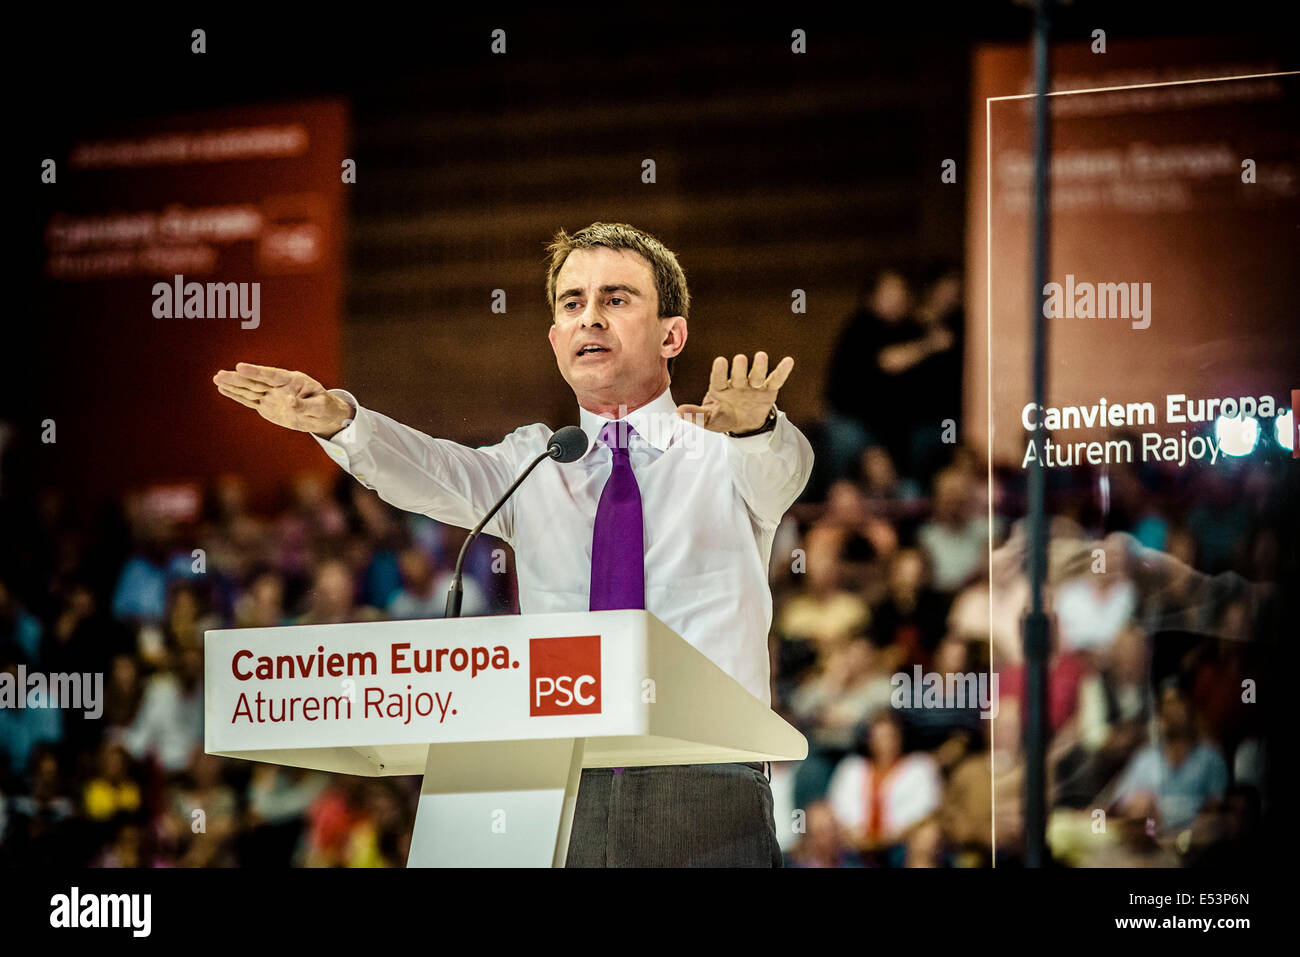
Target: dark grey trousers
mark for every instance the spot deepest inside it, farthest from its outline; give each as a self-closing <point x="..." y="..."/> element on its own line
<point x="686" y="815"/>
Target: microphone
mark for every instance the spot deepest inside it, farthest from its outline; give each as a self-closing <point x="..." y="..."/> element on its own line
<point x="567" y="445"/>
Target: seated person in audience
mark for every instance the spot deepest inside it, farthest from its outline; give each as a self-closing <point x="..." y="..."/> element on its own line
<point x="967" y="694"/>
<point x="853" y="684"/>
<point x="1094" y="605"/>
<point x="881" y="483"/>
<point x="880" y="797"/>
<point x="821" y="612"/>
<point x="1109" y="721"/>
<point x="168" y="726"/>
<point x="956" y="537"/>
<point x="867" y="537"/>
<point x="333" y="597"/>
<point x="823" y="844"/>
<point x="912" y="614"/>
<point x="925" y="844"/>
<point x="114" y="792"/>
<point x="1170" y="781"/>
<point x="967" y="812"/>
<point x="424" y="592"/>
<point x="262" y="603"/>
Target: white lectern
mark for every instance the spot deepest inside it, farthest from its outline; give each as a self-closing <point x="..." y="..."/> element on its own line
<point x="500" y="714"/>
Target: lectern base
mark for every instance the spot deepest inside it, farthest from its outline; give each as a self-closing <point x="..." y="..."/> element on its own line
<point x="497" y="804"/>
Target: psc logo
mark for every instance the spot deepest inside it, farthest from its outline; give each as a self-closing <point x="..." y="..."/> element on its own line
<point x="564" y="675"/>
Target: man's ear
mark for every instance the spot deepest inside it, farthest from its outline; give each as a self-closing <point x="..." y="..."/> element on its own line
<point x="674" y="335"/>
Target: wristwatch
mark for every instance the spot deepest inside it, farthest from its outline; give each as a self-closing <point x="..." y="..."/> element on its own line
<point x="768" y="425"/>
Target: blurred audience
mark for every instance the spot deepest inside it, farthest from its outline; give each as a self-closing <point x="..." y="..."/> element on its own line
<point x="906" y="561"/>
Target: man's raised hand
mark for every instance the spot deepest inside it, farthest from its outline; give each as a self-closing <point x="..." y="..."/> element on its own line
<point x="293" y="400"/>
<point x="738" y="402"/>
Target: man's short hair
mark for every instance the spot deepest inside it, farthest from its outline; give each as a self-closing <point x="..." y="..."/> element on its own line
<point x="670" y="281"/>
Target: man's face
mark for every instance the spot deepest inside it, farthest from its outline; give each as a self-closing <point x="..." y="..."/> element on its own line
<point x="608" y="338"/>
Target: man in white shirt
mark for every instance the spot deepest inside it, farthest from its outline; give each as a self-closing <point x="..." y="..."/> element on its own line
<point x="713" y="481"/>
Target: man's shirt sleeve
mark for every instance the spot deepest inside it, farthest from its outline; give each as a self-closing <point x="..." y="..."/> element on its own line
<point x="413" y="471"/>
<point x="772" y="469"/>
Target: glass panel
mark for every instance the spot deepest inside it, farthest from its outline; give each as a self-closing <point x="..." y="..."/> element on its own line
<point x="1167" y="435"/>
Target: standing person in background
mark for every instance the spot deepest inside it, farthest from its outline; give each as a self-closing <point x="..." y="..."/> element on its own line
<point x="883" y="373"/>
<point x="855" y="381"/>
<point x="933" y="384"/>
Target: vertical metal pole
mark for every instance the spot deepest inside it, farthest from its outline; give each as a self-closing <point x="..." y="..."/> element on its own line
<point x="1036" y="623"/>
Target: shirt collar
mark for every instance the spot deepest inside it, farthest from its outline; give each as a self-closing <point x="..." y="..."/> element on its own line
<point x="657" y="422"/>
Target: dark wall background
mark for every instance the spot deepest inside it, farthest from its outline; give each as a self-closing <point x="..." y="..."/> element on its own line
<point x="775" y="172"/>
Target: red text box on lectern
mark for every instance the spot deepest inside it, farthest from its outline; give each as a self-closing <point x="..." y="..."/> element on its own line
<point x="564" y="675"/>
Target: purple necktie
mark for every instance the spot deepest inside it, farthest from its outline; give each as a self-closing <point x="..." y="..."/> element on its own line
<point x="618" y="539"/>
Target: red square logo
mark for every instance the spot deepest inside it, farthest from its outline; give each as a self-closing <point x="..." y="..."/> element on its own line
<point x="564" y="675"/>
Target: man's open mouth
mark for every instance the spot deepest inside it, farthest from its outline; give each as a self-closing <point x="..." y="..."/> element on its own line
<point x="588" y="350"/>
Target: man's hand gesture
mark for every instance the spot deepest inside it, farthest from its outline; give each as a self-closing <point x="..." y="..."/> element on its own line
<point x="291" y="399"/>
<point x="739" y="402"/>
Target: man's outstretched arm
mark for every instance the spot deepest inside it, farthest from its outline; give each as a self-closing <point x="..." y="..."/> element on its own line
<point x="407" y="468"/>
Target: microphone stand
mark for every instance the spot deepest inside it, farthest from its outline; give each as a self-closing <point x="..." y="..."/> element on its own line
<point x="455" y="592"/>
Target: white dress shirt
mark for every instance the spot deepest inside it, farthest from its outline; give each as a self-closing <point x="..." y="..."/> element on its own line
<point x="711" y="505"/>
